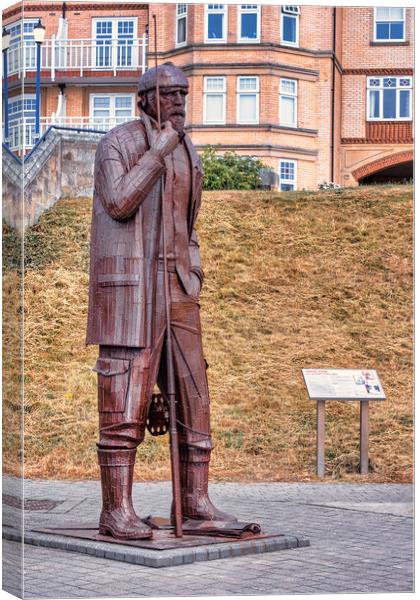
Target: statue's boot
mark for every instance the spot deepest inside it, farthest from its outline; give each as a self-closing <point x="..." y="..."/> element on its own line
<point x="196" y="503"/>
<point x="118" y="518"/>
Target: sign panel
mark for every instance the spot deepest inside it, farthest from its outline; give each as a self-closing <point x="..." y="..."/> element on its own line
<point x="343" y="384"/>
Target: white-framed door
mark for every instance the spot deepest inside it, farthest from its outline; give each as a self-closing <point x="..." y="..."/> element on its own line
<point x="115" y="42"/>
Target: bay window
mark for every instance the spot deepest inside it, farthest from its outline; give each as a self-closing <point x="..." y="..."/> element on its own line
<point x="214" y="100"/>
<point x="21" y="121"/>
<point x="22" y="45"/>
<point x="389" y="98"/>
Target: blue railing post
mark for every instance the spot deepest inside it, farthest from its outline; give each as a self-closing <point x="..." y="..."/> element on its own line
<point x="38" y="90"/>
<point x="6" y="99"/>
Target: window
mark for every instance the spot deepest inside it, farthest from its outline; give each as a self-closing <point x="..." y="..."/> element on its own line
<point x="249" y="23"/>
<point x="216" y="23"/>
<point x="21" y="121"/>
<point x="289" y="25"/>
<point x="29" y="45"/>
<point x="389" y="98"/>
<point x="389" y="24"/>
<point x="114" y="42"/>
<point x="248" y="99"/>
<point x="181" y="24"/>
<point x="288" y="102"/>
<point x="288" y="175"/>
<point x="214" y="100"/>
<point x="108" y="110"/>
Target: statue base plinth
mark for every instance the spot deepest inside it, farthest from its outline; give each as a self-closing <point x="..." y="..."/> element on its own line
<point x="164" y="550"/>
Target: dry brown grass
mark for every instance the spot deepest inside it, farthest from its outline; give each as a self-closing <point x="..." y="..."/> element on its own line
<point x="292" y="281"/>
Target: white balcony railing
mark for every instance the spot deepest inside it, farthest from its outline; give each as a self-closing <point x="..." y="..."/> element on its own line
<point x="22" y="131"/>
<point x="79" y="56"/>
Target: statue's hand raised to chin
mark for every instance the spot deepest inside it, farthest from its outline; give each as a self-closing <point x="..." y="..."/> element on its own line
<point x="166" y="140"/>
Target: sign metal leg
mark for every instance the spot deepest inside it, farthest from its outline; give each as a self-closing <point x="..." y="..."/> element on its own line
<point x="320" y="438"/>
<point x="364" y="436"/>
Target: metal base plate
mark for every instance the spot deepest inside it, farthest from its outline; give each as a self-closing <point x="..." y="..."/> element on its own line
<point x="162" y="539"/>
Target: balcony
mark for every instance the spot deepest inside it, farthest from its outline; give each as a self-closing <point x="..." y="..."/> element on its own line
<point x="22" y="131"/>
<point x="81" y="56"/>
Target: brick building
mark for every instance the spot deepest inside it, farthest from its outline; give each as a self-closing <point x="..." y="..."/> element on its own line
<point x="318" y="93"/>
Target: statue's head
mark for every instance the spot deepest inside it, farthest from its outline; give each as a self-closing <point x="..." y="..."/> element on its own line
<point x="173" y="88"/>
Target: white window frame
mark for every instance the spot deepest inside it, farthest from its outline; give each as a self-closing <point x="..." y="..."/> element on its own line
<point x="21" y="48"/>
<point x="293" y="181"/>
<point x="243" y="10"/>
<point x="289" y="13"/>
<point x="255" y="93"/>
<point x="207" y="12"/>
<point x="179" y="17"/>
<point x="21" y="126"/>
<point x="114" y="36"/>
<point x="381" y="101"/>
<point x="393" y="40"/>
<point x="112" y="116"/>
<point x="286" y="95"/>
<point x="207" y="93"/>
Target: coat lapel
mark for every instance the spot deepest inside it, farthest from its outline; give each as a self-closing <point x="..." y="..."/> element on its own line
<point x="196" y="182"/>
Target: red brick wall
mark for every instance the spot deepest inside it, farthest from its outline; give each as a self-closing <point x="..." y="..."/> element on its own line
<point x="310" y="65"/>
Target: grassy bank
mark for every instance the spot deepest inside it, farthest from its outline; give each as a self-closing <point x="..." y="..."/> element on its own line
<point x="292" y="280"/>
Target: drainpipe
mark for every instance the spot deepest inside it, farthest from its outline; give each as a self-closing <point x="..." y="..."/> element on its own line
<point x="63" y="13"/>
<point x="333" y="58"/>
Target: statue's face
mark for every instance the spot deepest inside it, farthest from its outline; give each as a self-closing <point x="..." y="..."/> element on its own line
<point x="172" y="105"/>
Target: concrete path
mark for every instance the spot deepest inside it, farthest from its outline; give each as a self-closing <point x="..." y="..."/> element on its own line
<point x="361" y="541"/>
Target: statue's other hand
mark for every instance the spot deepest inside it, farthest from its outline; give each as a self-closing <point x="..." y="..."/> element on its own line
<point x="166" y="140"/>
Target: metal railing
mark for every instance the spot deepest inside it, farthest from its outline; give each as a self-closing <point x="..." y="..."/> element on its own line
<point x="79" y="55"/>
<point x="22" y="131"/>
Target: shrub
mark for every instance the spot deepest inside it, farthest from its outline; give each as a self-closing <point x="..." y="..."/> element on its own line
<point x="230" y="171"/>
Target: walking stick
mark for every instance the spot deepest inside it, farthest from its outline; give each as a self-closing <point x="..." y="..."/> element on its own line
<point x="173" y="431"/>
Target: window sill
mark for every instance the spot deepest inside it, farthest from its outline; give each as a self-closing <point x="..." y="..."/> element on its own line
<point x="382" y="120"/>
<point x="389" y="43"/>
<point x="288" y="45"/>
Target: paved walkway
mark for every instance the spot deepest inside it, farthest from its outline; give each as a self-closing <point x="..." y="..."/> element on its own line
<point x="361" y="541"/>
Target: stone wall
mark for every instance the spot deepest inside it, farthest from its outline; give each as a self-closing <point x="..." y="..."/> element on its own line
<point x="60" y="166"/>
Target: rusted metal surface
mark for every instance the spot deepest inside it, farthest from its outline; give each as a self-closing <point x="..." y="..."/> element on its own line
<point x="144" y="285"/>
<point x="158" y="416"/>
<point x="162" y="540"/>
<point x="233" y="529"/>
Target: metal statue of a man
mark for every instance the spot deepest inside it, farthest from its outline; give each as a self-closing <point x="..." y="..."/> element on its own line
<point x="127" y="305"/>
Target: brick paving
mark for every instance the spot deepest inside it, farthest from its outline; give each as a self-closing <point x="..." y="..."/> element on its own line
<point x="361" y="541"/>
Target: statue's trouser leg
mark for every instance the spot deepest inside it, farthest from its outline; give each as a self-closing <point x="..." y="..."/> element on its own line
<point x="122" y="400"/>
<point x="193" y="406"/>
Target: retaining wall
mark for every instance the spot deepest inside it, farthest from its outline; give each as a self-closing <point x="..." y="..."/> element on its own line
<point x="60" y="166"/>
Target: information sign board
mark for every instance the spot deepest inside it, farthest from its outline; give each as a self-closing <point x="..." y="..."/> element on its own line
<point x="343" y="384"/>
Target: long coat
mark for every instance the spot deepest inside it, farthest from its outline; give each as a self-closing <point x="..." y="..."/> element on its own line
<point x="126" y="225"/>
